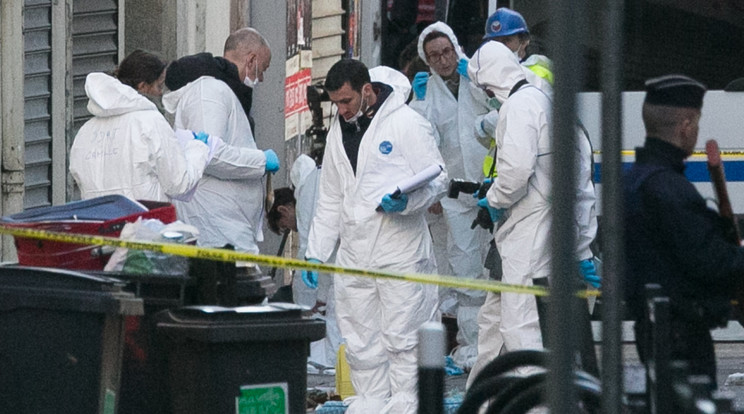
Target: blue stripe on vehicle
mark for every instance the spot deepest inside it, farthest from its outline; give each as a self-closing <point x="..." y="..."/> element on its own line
<point x="696" y="171"/>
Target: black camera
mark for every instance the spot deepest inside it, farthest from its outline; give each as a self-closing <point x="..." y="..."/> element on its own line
<point x="460" y="186"/>
<point x="469" y="187"/>
<point x="316" y="94"/>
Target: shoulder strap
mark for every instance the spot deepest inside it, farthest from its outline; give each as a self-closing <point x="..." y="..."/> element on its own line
<point x="517" y="86"/>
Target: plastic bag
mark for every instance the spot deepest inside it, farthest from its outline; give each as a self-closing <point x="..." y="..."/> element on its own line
<point x="149" y="262"/>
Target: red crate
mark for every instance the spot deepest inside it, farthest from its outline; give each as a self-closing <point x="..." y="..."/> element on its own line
<point x="47" y="253"/>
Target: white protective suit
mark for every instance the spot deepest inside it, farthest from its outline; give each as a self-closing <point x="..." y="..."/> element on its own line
<point x="228" y="204"/>
<point x="522" y="187"/>
<point x="305" y="177"/>
<point x="129" y="148"/>
<point x="379" y="318"/>
<point x="466" y="248"/>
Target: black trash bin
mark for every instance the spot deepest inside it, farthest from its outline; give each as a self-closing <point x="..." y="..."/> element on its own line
<point x="142" y="373"/>
<point x="61" y="341"/>
<point x="250" y="359"/>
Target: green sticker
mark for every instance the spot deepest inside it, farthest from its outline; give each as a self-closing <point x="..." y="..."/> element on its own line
<point x="263" y="399"/>
<point x="109" y="402"/>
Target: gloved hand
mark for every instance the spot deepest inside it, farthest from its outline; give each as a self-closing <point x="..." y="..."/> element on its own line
<point x="495" y="213"/>
<point x="462" y="68"/>
<point x="486" y="184"/>
<point x="394" y="205"/>
<point x="419" y="84"/>
<point x="272" y="161"/>
<point x="589" y="272"/>
<point x="201" y="136"/>
<point x="310" y="277"/>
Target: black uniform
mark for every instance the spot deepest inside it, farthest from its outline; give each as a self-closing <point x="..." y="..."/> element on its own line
<point x="673" y="239"/>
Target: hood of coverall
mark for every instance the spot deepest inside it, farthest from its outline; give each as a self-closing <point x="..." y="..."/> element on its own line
<point x="494" y="67"/>
<point x="301" y="167"/>
<point x="389" y="76"/>
<point x="109" y="97"/>
<point x="443" y="28"/>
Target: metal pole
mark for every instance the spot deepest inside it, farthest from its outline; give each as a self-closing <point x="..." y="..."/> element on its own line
<point x="566" y="36"/>
<point x="431" y="368"/>
<point x="612" y="211"/>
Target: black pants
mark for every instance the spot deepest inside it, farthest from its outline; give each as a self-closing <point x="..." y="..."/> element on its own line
<point x="690" y="342"/>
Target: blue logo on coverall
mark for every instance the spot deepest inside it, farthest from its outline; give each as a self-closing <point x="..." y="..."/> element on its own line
<point x="386" y="147"/>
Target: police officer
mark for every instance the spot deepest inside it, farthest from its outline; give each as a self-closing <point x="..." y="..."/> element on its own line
<point x="672" y="238"/>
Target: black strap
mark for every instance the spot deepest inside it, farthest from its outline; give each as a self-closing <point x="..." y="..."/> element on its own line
<point x="517" y="86"/>
<point x="513" y="90"/>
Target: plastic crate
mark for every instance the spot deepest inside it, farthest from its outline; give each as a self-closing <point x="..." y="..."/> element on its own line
<point x="101" y="216"/>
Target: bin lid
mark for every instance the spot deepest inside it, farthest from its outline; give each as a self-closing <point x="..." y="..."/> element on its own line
<point x="51" y="288"/>
<point x="95" y="209"/>
<point x="252" y="313"/>
<point x="255" y="323"/>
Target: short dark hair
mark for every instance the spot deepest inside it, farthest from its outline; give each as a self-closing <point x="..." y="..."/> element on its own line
<point x="434" y="35"/>
<point x="140" y="66"/>
<point x="282" y="196"/>
<point x="347" y="70"/>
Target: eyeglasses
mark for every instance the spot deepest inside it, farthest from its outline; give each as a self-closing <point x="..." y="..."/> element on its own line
<point x="436" y="57"/>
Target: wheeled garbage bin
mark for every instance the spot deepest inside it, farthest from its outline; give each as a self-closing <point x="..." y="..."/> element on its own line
<point x="142" y="388"/>
<point x="61" y="341"/>
<point x="250" y="359"/>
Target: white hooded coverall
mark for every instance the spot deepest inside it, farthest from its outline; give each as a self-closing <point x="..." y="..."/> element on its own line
<point x="305" y="177"/>
<point x="466" y="248"/>
<point x="523" y="188"/>
<point x="379" y="318"/>
<point x="128" y="147"/>
<point x="228" y="203"/>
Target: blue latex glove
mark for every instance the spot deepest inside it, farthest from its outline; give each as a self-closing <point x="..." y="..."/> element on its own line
<point x="419" y="84"/>
<point x="495" y="213"/>
<point x="201" y="136"/>
<point x="272" y="161"/>
<point x="310" y="277"/>
<point x="462" y="68"/>
<point x="486" y="181"/>
<point x="589" y="272"/>
<point x="394" y="205"/>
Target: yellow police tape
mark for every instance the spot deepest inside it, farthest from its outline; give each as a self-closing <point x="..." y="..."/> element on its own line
<point x="695" y="154"/>
<point x="226" y="255"/>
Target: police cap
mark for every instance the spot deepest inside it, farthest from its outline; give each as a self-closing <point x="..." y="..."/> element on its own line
<point x="675" y="90"/>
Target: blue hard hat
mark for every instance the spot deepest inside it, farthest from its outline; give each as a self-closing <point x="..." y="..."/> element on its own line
<point x="504" y="22"/>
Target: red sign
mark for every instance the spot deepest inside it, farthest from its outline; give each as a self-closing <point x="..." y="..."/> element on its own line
<point x="295" y="92"/>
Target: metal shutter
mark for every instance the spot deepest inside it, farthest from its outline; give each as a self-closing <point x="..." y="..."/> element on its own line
<point x="37" y="37"/>
<point x="95" y="48"/>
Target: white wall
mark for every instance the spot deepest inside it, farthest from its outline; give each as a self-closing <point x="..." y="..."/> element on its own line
<point x="217" y="25"/>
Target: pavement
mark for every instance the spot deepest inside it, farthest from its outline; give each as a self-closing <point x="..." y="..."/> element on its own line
<point x="729" y="354"/>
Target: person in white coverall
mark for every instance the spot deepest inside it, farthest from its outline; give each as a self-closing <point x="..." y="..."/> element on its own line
<point x="294" y="210"/>
<point x="453" y="104"/>
<point x="375" y="142"/>
<point x="128" y="147"/>
<point x="228" y="204"/>
<point x="519" y="200"/>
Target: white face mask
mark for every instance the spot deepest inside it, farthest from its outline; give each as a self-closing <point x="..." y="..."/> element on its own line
<point x="359" y="113"/>
<point x="252" y="83"/>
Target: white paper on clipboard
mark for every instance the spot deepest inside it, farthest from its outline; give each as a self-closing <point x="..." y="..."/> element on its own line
<point x="419" y="180"/>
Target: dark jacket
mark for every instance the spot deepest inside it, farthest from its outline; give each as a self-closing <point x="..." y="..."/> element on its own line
<point x="190" y="68"/>
<point x="675" y="240"/>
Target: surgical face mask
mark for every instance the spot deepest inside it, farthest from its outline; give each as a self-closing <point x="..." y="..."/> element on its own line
<point x="354" y="119"/>
<point x="493" y="103"/>
<point x="252" y="83"/>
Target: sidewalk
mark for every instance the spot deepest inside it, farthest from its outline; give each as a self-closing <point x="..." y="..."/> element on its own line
<point x="454" y="388"/>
